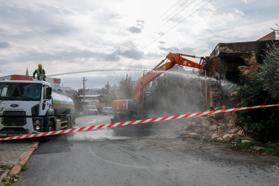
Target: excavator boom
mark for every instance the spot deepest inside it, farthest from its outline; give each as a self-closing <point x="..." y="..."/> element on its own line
<point x="169" y="62"/>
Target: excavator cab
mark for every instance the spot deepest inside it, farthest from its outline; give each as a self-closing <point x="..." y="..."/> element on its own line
<point x="127" y="109"/>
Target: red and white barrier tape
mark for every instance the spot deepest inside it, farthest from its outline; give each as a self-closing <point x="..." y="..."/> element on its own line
<point x="134" y="122"/>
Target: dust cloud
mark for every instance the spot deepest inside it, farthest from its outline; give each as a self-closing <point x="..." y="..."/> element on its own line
<point x="176" y="92"/>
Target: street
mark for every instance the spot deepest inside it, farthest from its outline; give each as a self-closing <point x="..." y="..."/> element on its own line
<point x="160" y="156"/>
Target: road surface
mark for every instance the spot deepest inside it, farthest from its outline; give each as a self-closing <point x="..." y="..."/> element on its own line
<point x="156" y="155"/>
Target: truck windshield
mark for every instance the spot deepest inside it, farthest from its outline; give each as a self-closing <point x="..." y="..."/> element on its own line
<point x="20" y="91"/>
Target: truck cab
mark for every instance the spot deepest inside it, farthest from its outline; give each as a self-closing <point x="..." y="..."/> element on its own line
<point x="28" y="107"/>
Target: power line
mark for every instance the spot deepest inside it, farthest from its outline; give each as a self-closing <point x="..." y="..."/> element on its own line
<point x="201" y="5"/>
<point x="172" y="8"/>
<point x="188" y="6"/>
<point x="182" y="11"/>
<point x="178" y="22"/>
<point x="177" y="11"/>
<point x="191" y="7"/>
<point x="174" y="26"/>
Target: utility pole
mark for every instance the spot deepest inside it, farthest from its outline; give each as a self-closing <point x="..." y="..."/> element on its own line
<point x="83" y="87"/>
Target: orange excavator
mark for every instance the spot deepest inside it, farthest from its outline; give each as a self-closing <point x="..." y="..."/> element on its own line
<point x="127" y="109"/>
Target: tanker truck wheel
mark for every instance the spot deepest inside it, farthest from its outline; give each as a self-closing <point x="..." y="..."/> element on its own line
<point x="50" y="127"/>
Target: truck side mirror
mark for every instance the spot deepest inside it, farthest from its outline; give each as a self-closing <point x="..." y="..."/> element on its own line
<point x="48" y="92"/>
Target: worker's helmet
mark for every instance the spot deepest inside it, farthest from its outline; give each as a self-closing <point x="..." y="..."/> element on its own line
<point x="40" y="66"/>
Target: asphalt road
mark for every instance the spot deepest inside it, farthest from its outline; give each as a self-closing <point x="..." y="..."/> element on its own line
<point x="153" y="155"/>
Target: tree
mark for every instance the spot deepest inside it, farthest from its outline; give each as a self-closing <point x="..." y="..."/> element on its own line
<point x="125" y="88"/>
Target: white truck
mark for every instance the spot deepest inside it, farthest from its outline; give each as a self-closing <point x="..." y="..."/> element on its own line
<point x="32" y="107"/>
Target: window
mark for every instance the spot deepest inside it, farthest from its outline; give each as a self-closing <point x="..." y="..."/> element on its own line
<point x="20" y="91"/>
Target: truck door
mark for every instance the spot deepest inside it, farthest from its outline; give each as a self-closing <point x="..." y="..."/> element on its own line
<point x="47" y="100"/>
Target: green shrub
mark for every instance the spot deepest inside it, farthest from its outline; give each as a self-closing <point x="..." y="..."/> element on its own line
<point x="261" y="88"/>
<point x="269" y="72"/>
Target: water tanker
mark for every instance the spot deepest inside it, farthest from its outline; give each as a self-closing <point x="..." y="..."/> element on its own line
<point x="61" y="103"/>
<point x="31" y="107"/>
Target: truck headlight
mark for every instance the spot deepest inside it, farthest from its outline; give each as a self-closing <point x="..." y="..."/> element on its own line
<point x="38" y="124"/>
<point x="37" y="127"/>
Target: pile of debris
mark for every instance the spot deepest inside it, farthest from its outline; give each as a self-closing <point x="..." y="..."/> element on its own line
<point x="214" y="129"/>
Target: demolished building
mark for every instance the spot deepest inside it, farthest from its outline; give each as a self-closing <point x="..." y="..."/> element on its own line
<point x="228" y="61"/>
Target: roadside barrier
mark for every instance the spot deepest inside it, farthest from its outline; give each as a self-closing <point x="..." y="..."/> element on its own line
<point x="134" y="122"/>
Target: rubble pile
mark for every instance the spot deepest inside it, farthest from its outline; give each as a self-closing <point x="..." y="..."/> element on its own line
<point x="214" y="130"/>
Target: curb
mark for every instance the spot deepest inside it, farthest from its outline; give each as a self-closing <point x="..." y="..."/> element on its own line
<point x="23" y="160"/>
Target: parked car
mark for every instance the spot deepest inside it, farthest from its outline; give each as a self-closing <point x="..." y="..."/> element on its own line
<point x="91" y="109"/>
<point x="107" y="110"/>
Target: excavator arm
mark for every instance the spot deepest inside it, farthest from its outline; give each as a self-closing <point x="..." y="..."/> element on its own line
<point x="172" y="59"/>
<point x="169" y="62"/>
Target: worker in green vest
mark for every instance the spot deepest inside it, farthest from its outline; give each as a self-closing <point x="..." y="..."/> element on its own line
<point x="41" y="75"/>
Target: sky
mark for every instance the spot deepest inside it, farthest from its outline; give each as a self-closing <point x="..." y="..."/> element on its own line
<point x="71" y="36"/>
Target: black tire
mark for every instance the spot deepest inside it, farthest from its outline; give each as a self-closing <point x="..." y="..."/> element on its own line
<point x="50" y="127"/>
